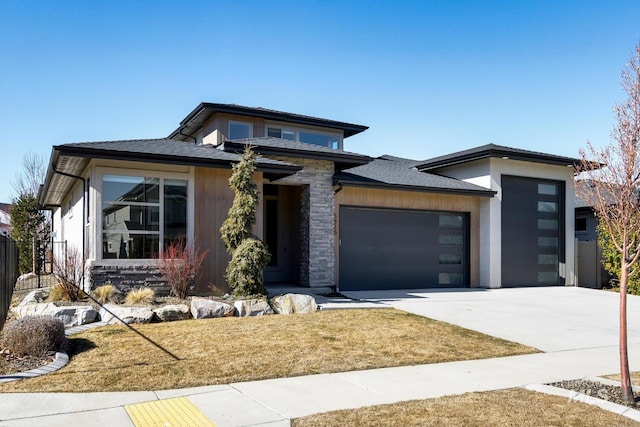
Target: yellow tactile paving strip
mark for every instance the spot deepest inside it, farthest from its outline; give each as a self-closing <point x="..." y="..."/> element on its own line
<point x="176" y="412"/>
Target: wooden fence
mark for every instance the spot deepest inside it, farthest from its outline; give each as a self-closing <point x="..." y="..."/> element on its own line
<point x="8" y="274"/>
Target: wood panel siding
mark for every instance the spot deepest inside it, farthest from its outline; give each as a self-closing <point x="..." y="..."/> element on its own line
<point x="213" y="198"/>
<point x="379" y="198"/>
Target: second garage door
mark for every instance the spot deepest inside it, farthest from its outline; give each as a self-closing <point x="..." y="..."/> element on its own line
<point x="402" y="249"/>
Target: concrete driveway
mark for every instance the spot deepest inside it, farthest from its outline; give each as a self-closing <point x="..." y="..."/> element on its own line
<point x="550" y="319"/>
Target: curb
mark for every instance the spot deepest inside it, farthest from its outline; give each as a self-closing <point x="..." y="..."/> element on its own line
<point x="625" y="411"/>
<point x="60" y="360"/>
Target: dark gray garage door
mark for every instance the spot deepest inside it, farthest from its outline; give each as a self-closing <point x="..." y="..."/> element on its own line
<point x="402" y="249"/>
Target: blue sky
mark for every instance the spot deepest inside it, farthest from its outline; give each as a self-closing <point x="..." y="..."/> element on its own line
<point x="428" y="77"/>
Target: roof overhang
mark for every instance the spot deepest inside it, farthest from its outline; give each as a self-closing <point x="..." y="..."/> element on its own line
<point x="68" y="163"/>
<point x="343" y="180"/>
<point x="502" y="153"/>
<point x="342" y="160"/>
<point x="206" y="110"/>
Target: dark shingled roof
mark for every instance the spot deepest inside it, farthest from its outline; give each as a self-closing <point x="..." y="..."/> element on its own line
<point x="165" y="150"/>
<point x="586" y="194"/>
<point x="207" y="109"/>
<point x="395" y="172"/>
<point x="283" y="147"/>
<point x="493" y="150"/>
<point x="70" y="160"/>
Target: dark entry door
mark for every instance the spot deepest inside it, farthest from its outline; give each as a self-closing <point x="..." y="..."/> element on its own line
<point x="282" y="233"/>
<point x="402" y="249"/>
<point x="532" y="231"/>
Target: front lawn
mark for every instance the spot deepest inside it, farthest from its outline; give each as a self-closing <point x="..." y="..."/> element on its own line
<point x="512" y="407"/>
<point x="221" y="351"/>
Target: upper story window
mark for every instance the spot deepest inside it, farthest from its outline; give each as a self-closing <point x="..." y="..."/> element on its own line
<point x="302" y="135"/>
<point x="240" y="130"/>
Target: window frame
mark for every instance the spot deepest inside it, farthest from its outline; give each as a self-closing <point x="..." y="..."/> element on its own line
<point x="284" y="127"/>
<point x="238" y="122"/>
<point x="162" y="176"/>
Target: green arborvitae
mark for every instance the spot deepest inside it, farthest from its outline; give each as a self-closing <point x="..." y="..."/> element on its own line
<point x="26" y="221"/>
<point x="611" y="261"/>
<point x="249" y="255"/>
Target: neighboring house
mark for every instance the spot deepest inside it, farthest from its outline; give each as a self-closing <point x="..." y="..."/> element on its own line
<point x="5" y="218"/>
<point x="489" y="217"/>
<point x="590" y="270"/>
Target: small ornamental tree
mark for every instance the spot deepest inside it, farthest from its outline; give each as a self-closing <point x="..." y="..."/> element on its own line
<point x="180" y="264"/>
<point x="615" y="170"/>
<point x="249" y="255"/>
<point x="27" y="221"/>
<point x="29" y="224"/>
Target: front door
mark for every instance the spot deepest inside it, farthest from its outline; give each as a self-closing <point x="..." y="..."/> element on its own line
<point x="281" y="233"/>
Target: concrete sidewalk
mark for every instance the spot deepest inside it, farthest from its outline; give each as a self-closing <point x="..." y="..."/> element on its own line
<point x="577" y="328"/>
<point x="275" y="402"/>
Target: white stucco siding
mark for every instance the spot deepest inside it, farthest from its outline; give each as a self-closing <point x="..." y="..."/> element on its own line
<point x="488" y="173"/>
<point x="71" y="217"/>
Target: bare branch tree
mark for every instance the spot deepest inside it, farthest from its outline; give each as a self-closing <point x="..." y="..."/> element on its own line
<point x="32" y="175"/>
<point x="613" y="175"/>
<point x="69" y="269"/>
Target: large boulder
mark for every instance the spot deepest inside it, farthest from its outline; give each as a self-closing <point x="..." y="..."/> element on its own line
<point x="294" y="303"/>
<point x="71" y="315"/>
<point x="171" y="312"/>
<point x="202" y="308"/>
<point x="253" y="307"/>
<point x="36" y="296"/>
<point x="126" y="313"/>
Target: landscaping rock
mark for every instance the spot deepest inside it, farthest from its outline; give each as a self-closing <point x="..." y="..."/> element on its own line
<point x="34" y="297"/>
<point x="127" y="314"/>
<point x="294" y="303"/>
<point x="171" y="312"/>
<point x="253" y="307"/>
<point x="202" y="308"/>
<point x="71" y="315"/>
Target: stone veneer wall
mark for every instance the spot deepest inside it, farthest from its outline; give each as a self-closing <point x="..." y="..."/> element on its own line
<point x="126" y="278"/>
<point x="317" y="256"/>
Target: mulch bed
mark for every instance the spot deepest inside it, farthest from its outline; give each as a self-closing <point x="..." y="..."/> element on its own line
<point x="12" y="364"/>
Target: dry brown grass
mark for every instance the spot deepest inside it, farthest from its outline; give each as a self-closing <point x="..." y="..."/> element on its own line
<point x="512" y="407"/>
<point x="221" y="351"/>
<point x="635" y="377"/>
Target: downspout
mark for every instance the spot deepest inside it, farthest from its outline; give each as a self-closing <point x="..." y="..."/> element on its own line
<point x="195" y="140"/>
<point x="84" y="213"/>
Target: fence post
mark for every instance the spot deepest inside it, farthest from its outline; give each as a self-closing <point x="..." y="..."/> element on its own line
<point x="8" y="274"/>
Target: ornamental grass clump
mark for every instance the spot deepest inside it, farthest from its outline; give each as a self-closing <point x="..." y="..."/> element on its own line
<point x="140" y="296"/>
<point x="105" y="294"/>
<point x="249" y="255"/>
<point x="35" y="336"/>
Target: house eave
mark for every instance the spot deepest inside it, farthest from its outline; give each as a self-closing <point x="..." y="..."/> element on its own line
<point x="205" y="110"/>
<point x="421" y="189"/>
<point x="56" y="186"/>
<point x="341" y="160"/>
<point x="498" y="153"/>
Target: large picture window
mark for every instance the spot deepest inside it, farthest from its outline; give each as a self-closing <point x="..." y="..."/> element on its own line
<point x="138" y="213"/>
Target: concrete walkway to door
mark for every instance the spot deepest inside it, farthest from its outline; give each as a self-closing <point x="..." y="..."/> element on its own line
<point x="550" y="319"/>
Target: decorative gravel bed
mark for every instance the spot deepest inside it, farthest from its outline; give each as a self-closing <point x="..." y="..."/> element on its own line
<point x="12" y="364"/>
<point x="595" y="389"/>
